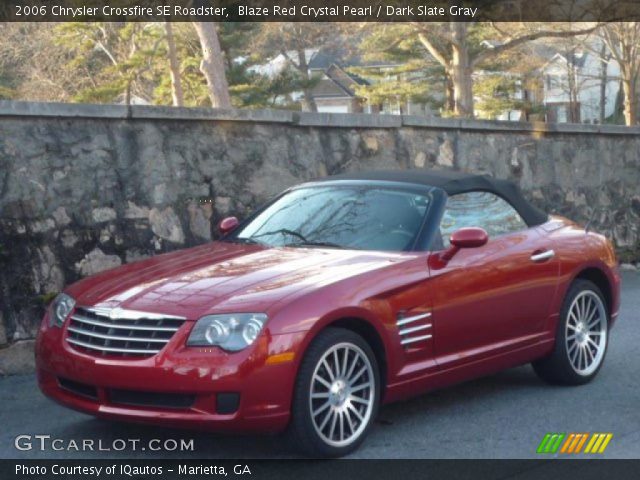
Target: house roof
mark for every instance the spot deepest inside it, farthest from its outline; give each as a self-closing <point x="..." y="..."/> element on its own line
<point x="324" y="58"/>
<point x="576" y="61"/>
<point x="548" y="52"/>
<point x="321" y="61"/>
<point x="329" y="89"/>
<point x="338" y="83"/>
<point x="572" y="58"/>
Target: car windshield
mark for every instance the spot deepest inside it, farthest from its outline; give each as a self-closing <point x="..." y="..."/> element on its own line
<point x="353" y="217"/>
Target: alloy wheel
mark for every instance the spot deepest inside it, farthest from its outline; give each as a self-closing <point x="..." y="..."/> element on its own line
<point x="586" y="332"/>
<point x="342" y="393"/>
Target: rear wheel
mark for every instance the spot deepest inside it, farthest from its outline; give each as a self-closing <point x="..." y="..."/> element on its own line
<point x="581" y="338"/>
<point x="337" y="394"/>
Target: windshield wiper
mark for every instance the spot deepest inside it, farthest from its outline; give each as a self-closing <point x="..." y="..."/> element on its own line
<point x="245" y="240"/>
<point x="283" y="231"/>
<point x="310" y="243"/>
<point x="304" y="242"/>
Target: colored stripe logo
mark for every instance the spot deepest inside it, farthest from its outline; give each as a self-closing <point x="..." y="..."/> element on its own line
<point x="574" y="443"/>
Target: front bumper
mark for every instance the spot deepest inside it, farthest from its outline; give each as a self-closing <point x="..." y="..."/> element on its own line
<point x="260" y="376"/>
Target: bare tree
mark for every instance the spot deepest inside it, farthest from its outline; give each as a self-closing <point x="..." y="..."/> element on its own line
<point x="212" y="65"/>
<point x="623" y="41"/>
<point x="450" y="44"/>
<point x="293" y="40"/>
<point x="572" y="50"/>
<point x="34" y="67"/>
<point x="174" y="67"/>
<point x="298" y="39"/>
<point x="605" y="57"/>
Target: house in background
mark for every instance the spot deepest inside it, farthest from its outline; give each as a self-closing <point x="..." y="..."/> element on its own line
<point x="579" y="87"/>
<point x="574" y="85"/>
<point x="336" y="89"/>
<point x="569" y="87"/>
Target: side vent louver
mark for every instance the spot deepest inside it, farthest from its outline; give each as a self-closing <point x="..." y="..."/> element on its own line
<point x="414" y="329"/>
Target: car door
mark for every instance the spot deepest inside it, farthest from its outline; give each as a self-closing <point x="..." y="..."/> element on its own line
<point x="495" y="298"/>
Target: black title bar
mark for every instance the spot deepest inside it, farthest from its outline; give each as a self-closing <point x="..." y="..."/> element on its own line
<point x="317" y="469"/>
<point x="320" y="10"/>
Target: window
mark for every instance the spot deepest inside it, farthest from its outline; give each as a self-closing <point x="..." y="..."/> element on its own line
<point x="554" y="81"/>
<point x="479" y="209"/>
<point x="356" y="217"/>
<point x="562" y="114"/>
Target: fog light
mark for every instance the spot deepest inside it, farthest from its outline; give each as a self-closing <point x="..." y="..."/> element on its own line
<point x="227" y="403"/>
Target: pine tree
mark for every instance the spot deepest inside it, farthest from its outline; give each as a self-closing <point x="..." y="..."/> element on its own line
<point x="293" y="41"/>
<point x="407" y="76"/>
<point x="118" y="57"/>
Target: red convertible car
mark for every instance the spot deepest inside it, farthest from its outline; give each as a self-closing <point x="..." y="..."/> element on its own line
<point x="337" y="296"/>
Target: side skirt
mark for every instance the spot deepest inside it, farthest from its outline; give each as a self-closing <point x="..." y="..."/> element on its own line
<point x="461" y="373"/>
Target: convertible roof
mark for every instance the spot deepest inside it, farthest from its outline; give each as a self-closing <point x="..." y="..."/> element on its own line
<point x="454" y="182"/>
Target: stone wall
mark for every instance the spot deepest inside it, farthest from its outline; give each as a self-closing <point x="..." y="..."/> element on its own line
<point x="84" y="188"/>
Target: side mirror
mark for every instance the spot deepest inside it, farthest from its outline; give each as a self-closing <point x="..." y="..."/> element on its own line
<point x="228" y="224"/>
<point x="469" y="237"/>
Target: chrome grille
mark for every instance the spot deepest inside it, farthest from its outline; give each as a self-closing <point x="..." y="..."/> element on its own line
<point x="414" y="328"/>
<point x="120" y="332"/>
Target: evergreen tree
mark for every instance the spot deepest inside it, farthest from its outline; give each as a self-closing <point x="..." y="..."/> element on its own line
<point x="404" y="74"/>
<point x="119" y="57"/>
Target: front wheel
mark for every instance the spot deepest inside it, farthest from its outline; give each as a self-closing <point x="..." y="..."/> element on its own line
<point x="581" y="338"/>
<point x="337" y="394"/>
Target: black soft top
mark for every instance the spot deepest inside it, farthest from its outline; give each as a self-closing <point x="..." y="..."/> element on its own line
<point x="453" y="182"/>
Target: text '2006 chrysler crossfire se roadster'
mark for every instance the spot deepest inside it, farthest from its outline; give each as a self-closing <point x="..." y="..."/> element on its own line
<point x="337" y="296"/>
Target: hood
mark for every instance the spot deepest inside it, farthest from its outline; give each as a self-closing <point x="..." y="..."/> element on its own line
<point x="224" y="277"/>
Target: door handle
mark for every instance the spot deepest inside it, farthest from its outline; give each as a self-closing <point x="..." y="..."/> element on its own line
<point x="543" y="256"/>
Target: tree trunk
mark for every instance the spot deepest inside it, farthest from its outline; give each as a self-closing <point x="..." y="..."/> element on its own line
<point x="604" y="63"/>
<point x="460" y="71"/>
<point x="174" y="68"/>
<point x="630" y="100"/>
<point x="450" y="102"/>
<point x="127" y="92"/>
<point x="308" y="102"/>
<point x="212" y="65"/>
<point x="574" y="104"/>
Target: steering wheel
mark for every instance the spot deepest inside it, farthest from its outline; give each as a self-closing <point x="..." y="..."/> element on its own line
<point x="397" y="232"/>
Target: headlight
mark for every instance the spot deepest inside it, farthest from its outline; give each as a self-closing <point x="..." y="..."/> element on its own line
<point x="60" y="309"/>
<point x="231" y="332"/>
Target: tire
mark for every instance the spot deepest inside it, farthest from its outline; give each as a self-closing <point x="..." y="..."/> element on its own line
<point x="340" y="423"/>
<point x="582" y="337"/>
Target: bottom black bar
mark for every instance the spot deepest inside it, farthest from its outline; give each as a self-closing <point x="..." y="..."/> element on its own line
<point x="319" y="469"/>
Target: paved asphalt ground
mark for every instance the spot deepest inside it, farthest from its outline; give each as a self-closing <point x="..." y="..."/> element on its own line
<point x="503" y="416"/>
